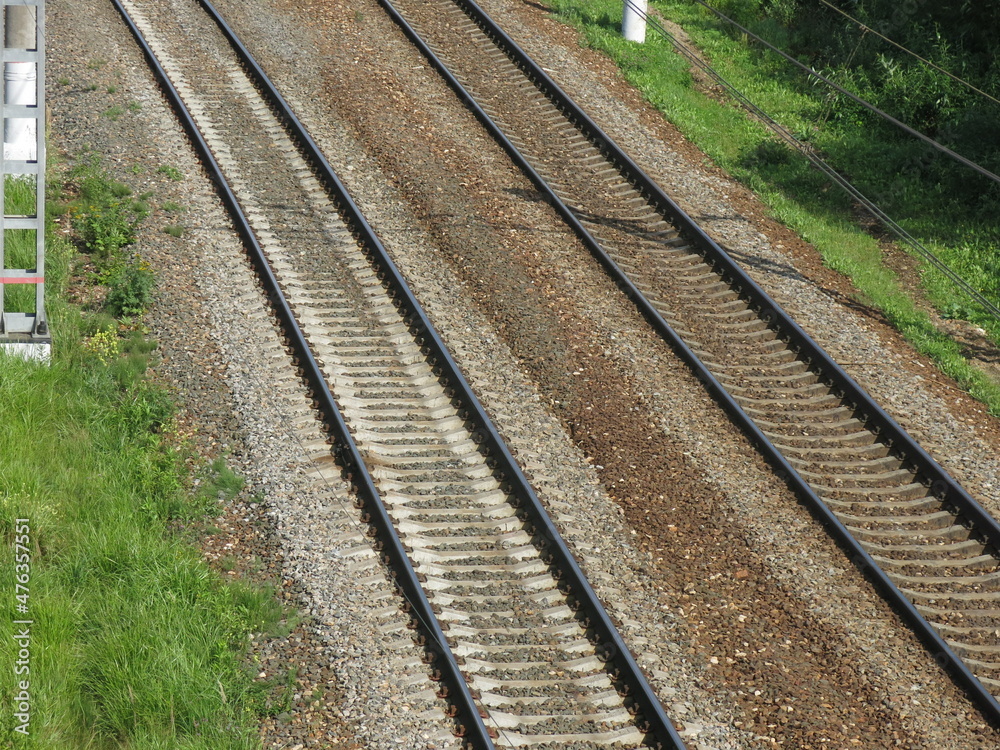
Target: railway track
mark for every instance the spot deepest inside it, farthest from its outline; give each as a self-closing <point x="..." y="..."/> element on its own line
<point x="524" y="653"/>
<point x="925" y="542"/>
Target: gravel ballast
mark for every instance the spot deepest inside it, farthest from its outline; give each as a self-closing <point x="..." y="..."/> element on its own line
<point x="755" y="633"/>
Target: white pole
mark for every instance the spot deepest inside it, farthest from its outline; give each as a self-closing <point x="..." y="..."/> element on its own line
<point x="634" y="20"/>
<point x="20" y="134"/>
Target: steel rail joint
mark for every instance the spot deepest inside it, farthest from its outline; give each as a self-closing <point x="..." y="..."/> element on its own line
<point x="361" y="480"/>
<point x="932" y="641"/>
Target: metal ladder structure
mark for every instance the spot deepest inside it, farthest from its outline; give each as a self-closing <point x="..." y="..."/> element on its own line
<point x="24" y="331"/>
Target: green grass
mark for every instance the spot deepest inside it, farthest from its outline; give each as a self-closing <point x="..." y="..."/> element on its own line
<point x="19" y="196"/>
<point x="20" y="253"/>
<point x="135" y="642"/>
<point x="797" y="194"/>
<point x="134" y="639"/>
<point x="172" y="173"/>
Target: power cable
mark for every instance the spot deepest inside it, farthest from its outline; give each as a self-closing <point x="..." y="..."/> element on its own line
<point x="786" y="135"/>
<point x="870" y="30"/>
<point x="866" y="104"/>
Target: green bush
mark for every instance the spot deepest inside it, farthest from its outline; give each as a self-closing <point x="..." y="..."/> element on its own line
<point x="105" y="229"/>
<point x="130" y="287"/>
<point x="103" y="214"/>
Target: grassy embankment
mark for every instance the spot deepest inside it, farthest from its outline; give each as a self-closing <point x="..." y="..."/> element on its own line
<point x="134" y="641"/>
<point x="800" y="196"/>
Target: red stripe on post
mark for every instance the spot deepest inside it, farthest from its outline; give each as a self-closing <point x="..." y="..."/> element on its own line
<point x="22" y="279"/>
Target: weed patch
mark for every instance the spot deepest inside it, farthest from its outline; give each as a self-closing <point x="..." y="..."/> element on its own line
<point x="130" y="285"/>
<point x="105" y="217"/>
<point x="172" y="173"/>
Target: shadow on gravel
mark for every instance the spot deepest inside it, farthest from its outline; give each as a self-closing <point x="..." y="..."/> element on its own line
<point x="785" y="270"/>
<point x="539" y="6"/>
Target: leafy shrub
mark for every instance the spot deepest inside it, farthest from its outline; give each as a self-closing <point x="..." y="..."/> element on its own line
<point x="106" y="229"/>
<point x="130" y="287"/>
<point x="104" y="216"/>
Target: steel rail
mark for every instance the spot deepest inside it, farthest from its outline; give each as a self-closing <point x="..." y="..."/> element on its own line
<point x="393" y="552"/>
<point x="968" y="511"/>
<point x="616" y="654"/>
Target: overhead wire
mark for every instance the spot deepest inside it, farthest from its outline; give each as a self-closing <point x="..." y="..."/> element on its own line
<point x="788" y="137"/>
<point x="869" y="30"/>
<point x="851" y="95"/>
